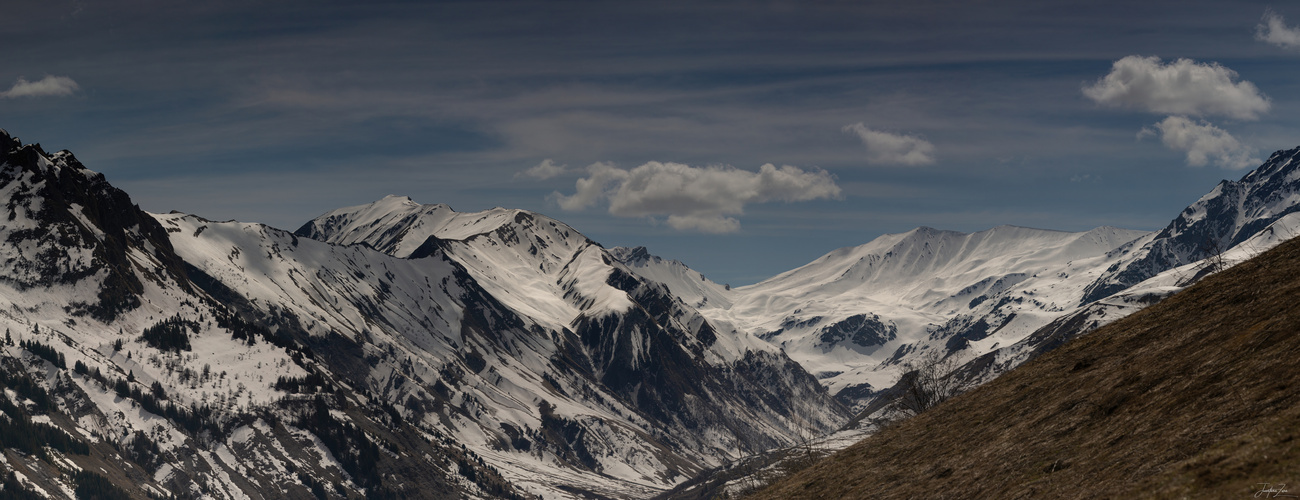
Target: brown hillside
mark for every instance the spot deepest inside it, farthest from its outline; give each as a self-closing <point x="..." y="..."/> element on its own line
<point x="1195" y="397"/>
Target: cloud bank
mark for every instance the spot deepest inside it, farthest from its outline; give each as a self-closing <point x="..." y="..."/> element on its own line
<point x="48" y="86"/>
<point x="1204" y="143"/>
<point x="1182" y="87"/>
<point x="1273" y="29"/>
<point x="885" y="148"/>
<point x="700" y="199"/>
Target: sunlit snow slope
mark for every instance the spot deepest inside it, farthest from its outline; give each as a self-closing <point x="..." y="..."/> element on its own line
<point x="854" y="316"/>
<point x="400" y="350"/>
<point x="706" y="393"/>
<point x="496" y="354"/>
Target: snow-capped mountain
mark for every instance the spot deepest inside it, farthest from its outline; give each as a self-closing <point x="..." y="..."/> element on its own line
<point x="495" y="354"/>
<point x="1234" y="222"/>
<point x="852" y="315"/>
<point x="992" y="298"/>
<point x="1228" y="215"/>
<point x="396" y="349"/>
<point x="684" y="282"/>
<point x="620" y="337"/>
<point x="163" y="380"/>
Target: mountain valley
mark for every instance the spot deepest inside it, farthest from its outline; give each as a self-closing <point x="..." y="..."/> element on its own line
<point x="404" y="350"/>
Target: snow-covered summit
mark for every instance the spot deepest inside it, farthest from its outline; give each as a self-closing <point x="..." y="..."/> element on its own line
<point x="851" y="315"/>
<point x="855" y="314"/>
<point x="1231" y="213"/>
<point x="537" y="265"/>
<point x="926" y="264"/>
<point x="486" y="354"/>
<point x="686" y="283"/>
<point x="449" y="354"/>
<point x="637" y="337"/>
<point x="398" y="226"/>
<point x="67" y="226"/>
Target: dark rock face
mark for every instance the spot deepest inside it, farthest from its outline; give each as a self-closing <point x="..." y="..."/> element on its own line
<point x="389" y="373"/>
<point x="77" y="226"/>
<point x="65" y="225"/>
<point x="649" y="356"/>
<point x="862" y="330"/>
<point x="653" y="358"/>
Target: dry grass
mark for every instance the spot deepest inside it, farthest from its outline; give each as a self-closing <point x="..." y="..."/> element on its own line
<point x="1195" y="397"/>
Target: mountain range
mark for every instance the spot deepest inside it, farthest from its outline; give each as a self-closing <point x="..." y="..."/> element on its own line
<point x="991" y="298"/>
<point x="404" y="350"/>
<point x="1194" y="397"/>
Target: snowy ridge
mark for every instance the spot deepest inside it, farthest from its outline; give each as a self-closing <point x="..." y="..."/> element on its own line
<point x="535" y="264"/>
<point x="1153" y="289"/>
<point x="521" y="389"/>
<point x="497" y="354"/>
<point x="684" y="282"/>
<point x="403" y="350"/>
<point x="852" y="315"/>
<point x="994" y="297"/>
<point x="1225" y="217"/>
<point x="632" y="336"/>
<point x="409" y="316"/>
<point x="88" y="306"/>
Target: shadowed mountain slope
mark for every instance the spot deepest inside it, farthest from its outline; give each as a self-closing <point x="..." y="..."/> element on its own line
<point x="1195" y="397"/>
<point x="425" y="354"/>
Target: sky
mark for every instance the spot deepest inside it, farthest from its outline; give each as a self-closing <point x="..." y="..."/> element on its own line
<point x="743" y="138"/>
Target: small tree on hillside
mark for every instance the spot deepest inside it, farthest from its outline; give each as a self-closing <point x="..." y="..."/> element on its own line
<point x="1213" y="252"/>
<point x="926" y="382"/>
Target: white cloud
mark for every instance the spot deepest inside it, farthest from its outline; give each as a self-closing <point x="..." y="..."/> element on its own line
<point x="893" y="149"/>
<point x="1204" y="143"/>
<point x="1182" y="87"/>
<point x="694" y="198"/>
<point x="1273" y="29"/>
<point x="48" y="86"/>
<point x="603" y="178"/>
<point x="547" y="169"/>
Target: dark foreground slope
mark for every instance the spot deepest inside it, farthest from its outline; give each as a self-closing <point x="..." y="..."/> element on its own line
<point x="1198" y="396"/>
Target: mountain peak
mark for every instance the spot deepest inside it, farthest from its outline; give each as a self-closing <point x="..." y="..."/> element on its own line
<point x="632" y="255"/>
<point x="1076" y="408"/>
<point x="8" y="142"/>
<point x="400" y="202"/>
<point x="1279" y="161"/>
<point x="56" y="202"/>
<point x="1229" y="214"/>
<point x="398" y="199"/>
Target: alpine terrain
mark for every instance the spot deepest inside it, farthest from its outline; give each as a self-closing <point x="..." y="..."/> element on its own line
<point x="391" y="349"/>
<point x="406" y="350"/>
<point x="990" y="299"/>
<point x="1194" y="397"/>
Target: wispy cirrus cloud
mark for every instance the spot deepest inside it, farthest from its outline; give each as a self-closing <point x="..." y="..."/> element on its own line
<point x="1273" y="29"/>
<point x="50" y="86"/>
<point x="1181" y="87"/>
<point x="547" y="169"/>
<point x="699" y="199"/>
<point x="887" y="148"/>
<point x="1203" y="142"/>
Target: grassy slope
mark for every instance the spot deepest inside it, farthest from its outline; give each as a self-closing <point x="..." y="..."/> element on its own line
<point x="1198" y="397"/>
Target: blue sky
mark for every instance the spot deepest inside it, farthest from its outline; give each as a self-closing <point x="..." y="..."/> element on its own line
<point x="650" y="123"/>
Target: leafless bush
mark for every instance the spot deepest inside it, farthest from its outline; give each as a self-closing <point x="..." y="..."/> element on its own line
<point x="927" y="382"/>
